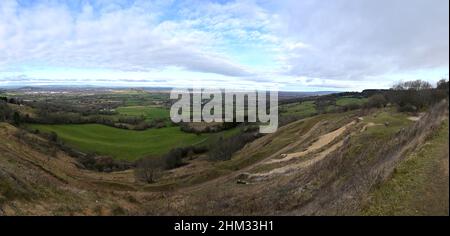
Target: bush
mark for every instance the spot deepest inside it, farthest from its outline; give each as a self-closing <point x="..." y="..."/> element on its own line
<point x="158" y="123"/>
<point x="149" y="169"/>
<point x="377" y="100"/>
<point x="6" y="112"/>
<point x="53" y="136"/>
<point x="351" y="106"/>
<point x="225" y="148"/>
<point x="407" y="108"/>
<point x="174" y="158"/>
<point x="142" y="126"/>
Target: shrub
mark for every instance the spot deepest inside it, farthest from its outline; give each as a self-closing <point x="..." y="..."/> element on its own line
<point x="5" y="111"/>
<point x="149" y="169"/>
<point x="407" y="108"/>
<point x="225" y="148"/>
<point x="16" y="118"/>
<point x="351" y="106"/>
<point x="174" y="158"/>
<point x="53" y="136"/>
<point x="377" y="100"/>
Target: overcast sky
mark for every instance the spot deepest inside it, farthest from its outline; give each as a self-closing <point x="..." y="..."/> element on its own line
<point x="294" y="44"/>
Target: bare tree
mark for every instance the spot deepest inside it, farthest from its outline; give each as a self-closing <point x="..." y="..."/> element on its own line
<point x="416" y="85"/>
<point x="149" y="169"/>
<point x="442" y="84"/>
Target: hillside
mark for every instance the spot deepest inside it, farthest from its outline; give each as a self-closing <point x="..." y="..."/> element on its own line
<point x="329" y="164"/>
<point x="419" y="184"/>
<point x="33" y="183"/>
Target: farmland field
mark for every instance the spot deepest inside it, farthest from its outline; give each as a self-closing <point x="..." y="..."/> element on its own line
<point x="345" y="101"/>
<point x="306" y="108"/>
<point x="350" y="100"/>
<point x="125" y="144"/>
<point x="149" y="113"/>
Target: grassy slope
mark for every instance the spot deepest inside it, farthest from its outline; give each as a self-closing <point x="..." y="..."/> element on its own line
<point x="349" y="100"/>
<point x="308" y="108"/>
<point x="395" y="121"/>
<point x="305" y="109"/>
<point x="120" y="143"/>
<point x="32" y="182"/>
<point x="250" y="154"/>
<point x="254" y="151"/>
<point x="128" y="144"/>
<point x="420" y="184"/>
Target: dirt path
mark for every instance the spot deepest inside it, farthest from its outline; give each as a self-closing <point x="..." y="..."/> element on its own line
<point x="291" y="168"/>
<point x="416" y="118"/>
<point x="321" y="142"/>
<point x="324" y="140"/>
<point x="233" y="175"/>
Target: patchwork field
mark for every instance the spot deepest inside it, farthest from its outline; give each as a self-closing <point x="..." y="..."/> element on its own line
<point x="150" y="113"/>
<point x="306" y="108"/>
<point x="126" y="144"/>
<point x="309" y="108"/>
<point x="344" y="101"/>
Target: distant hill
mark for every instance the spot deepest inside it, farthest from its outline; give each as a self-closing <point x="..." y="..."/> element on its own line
<point x="289" y="95"/>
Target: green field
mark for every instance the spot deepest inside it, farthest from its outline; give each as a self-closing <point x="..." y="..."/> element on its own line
<point x="345" y="101"/>
<point x="126" y="144"/>
<point x="305" y="109"/>
<point x="350" y="100"/>
<point x="141" y="98"/>
<point x="150" y="113"/>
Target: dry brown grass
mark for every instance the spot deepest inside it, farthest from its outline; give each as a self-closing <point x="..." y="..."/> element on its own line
<point x="334" y="179"/>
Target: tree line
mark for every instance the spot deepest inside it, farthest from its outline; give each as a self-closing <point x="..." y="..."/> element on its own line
<point x="411" y="96"/>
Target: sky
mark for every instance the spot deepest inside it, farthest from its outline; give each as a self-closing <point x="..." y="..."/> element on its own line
<point x="297" y="45"/>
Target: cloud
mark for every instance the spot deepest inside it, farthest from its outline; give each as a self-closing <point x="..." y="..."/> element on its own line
<point x="345" y="44"/>
<point x="354" y="40"/>
<point x="113" y="37"/>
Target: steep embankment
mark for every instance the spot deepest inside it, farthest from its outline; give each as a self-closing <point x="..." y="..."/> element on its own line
<point x="37" y="179"/>
<point x="333" y="164"/>
<point x="419" y="184"/>
<point x="334" y="174"/>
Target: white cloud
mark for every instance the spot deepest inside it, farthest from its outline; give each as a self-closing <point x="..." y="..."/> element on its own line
<point x="122" y="39"/>
<point x="356" y="40"/>
<point x="345" y="44"/>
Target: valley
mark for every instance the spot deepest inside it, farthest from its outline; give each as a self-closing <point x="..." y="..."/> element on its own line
<point x="332" y="155"/>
